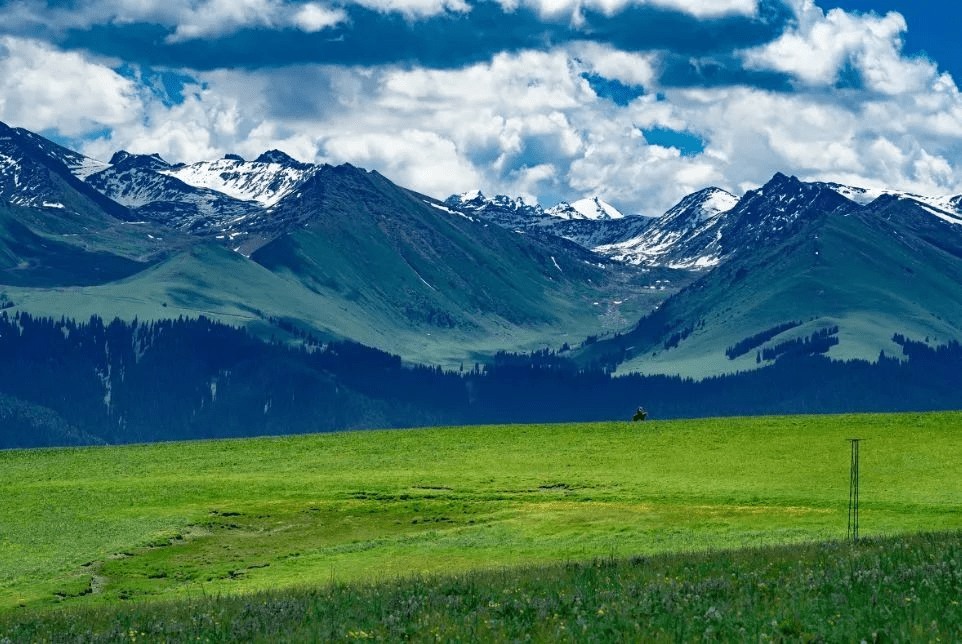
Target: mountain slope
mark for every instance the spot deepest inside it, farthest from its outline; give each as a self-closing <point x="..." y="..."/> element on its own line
<point x="266" y="180"/>
<point x="334" y="251"/>
<point x="688" y="236"/>
<point x="56" y="230"/>
<point x="34" y="173"/>
<point x="595" y="224"/>
<point x="363" y="243"/>
<point x="811" y="257"/>
<point x="142" y="183"/>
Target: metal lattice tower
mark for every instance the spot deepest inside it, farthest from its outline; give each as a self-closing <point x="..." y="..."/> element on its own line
<point x="853" y="493"/>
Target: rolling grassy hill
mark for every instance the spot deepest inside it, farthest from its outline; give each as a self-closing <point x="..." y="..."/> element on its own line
<point x="210" y="280"/>
<point x="94" y="525"/>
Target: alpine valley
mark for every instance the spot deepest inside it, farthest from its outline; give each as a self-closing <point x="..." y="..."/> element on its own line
<point x="144" y="300"/>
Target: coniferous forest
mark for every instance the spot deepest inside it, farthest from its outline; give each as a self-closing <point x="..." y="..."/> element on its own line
<point x="69" y="383"/>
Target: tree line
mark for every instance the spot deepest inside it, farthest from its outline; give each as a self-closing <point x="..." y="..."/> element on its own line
<point x="65" y="382"/>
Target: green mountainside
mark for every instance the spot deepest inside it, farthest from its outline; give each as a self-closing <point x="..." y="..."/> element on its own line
<point x="874" y="271"/>
<point x="345" y="255"/>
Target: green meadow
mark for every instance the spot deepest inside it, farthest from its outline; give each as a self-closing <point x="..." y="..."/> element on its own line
<point x="188" y="521"/>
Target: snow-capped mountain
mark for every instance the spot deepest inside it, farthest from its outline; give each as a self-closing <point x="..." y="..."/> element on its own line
<point x="507" y="212"/>
<point x="37" y="173"/>
<point x="143" y="184"/>
<point x="587" y="222"/>
<point x="593" y="208"/>
<point x="79" y="165"/>
<point x="347" y="253"/>
<point x="945" y="207"/>
<point x="682" y="237"/>
<point x="803" y="256"/>
<point x="266" y="180"/>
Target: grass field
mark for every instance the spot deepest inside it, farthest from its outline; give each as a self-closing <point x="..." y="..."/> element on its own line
<point x="885" y="589"/>
<point x="85" y="527"/>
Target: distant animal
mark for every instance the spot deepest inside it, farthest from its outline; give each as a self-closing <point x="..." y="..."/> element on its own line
<point x="640" y="414"/>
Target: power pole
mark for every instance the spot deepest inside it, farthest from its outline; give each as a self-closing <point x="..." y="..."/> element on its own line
<point x="853" y="493"/>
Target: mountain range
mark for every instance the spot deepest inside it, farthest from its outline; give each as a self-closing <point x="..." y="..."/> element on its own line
<point x="275" y="244"/>
<point x="286" y="248"/>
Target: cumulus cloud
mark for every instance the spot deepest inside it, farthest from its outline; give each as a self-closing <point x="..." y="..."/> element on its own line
<point x="822" y="45"/>
<point x="42" y="88"/>
<point x="215" y="17"/>
<point x="530" y="125"/>
<point x="630" y="68"/>
<point x="425" y="161"/>
<point x="313" y="17"/>
<point x="188" y="19"/>
<point x="219" y="17"/>
<point x="538" y="124"/>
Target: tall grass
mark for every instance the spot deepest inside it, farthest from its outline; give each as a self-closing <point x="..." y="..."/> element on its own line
<point x="894" y="589"/>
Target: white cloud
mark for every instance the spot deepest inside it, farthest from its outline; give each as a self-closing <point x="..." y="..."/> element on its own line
<point x="822" y="45"/>
<point x="41" y="87"/>
<point x="528" y="123"/>
<point x="219" y="17"/>
<point x="313" y="17"/>
<point x="193" y="19"/>
<point x="630" y="68"/>
<point x="415" y="8"/>
<point x="710" y="8"/>
<point x="424" y="161"/>
<point x="189" y="19"/>
<point x="702" y="9"/>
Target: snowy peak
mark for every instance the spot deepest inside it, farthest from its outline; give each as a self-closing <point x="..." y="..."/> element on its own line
<point x="504" y="211"/>
<point x="275" y="157"/>
<point x="779" y="204"/>
<point x="595" y="224"/>
<point x="595" y="208"/>
<point x="38" y="173"/>
<point x="707" y="227"/>
<point x="125" y="160"/>
<point x="688" y="236"/>
<point x="476" y="201"/>
<point x="78" y="164"/>
<point x="267" y="180"/>
<point x="699" y="208"/>
<point x="938" y="206"/>
<point x="592" y="208"/>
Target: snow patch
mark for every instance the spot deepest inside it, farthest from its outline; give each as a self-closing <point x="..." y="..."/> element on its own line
<point x="265" y="183"/>
<point x="448" y="210"/>
<point x="718" y="202"/>
<point x="595" y="208"/>
<point x="941" y="214"/>
<point x="85" y="166"/>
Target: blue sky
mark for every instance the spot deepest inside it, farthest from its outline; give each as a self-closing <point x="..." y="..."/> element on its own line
<point x="636" y="101"/>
